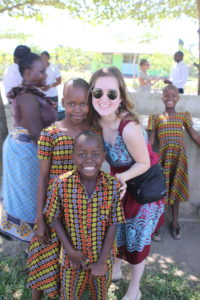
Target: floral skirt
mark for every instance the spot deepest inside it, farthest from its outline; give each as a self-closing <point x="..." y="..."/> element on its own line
<point x="19" y="185"/>
<point x="134" y="236"/>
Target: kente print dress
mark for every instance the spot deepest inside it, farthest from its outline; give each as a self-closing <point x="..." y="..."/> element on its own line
<point x="133" y="237"/>
<point x="86" y="219"/>
<point x="170" y="134"/>
<point x="42" y="262"/>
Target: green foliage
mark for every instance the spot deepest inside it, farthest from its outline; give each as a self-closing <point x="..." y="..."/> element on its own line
<point x="139" y="10"/>
<point x="27" y="8"/>
<point x="160" y="64"/>
<point x="67" y="59"/>
<point x="71" y="59"/>
<point x="5" y="60"/>
<point x="159" y="285"/>
<point x="96" y="11"/>
<point x="21" y="37"/>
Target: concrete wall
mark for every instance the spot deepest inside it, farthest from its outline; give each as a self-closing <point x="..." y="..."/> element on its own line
<point x="151" y="103"/>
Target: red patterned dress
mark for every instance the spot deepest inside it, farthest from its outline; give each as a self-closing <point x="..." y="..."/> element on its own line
<point x="42" y="262"/>
<point x="170" y="134"/>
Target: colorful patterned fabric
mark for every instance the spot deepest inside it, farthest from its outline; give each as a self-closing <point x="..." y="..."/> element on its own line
<point x="118" y="154"/>
<point x="43" y="265"/>
<point x="20" y="177"/>
<point x="170" y="134"/>
<point x="133" y="237"/>
<point x="74" y="282"/>
<point x="86" y="218"/>
<point x="136" y="234"/>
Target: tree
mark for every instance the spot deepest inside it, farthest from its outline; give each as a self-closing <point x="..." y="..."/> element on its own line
<point x="27" y="8"/>
<point x="3" y="127"/>
<point x="148" y="12"/>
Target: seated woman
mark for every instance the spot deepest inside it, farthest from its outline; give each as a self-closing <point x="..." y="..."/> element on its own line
<point x="32" y="111"/>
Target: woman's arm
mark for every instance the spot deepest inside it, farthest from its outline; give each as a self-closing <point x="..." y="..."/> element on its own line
<point x="136" y="145"/>
<point x="143" y="81"/>
<point x="30" y="113"/>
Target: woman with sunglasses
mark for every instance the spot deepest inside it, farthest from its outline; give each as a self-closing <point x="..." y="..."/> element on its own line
<point x="111" y="111"/>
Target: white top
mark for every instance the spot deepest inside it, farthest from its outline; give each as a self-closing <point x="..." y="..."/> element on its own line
<point x="179" y="75"/>
<point x="52" y="74"/>
<point x="11" y="78"/>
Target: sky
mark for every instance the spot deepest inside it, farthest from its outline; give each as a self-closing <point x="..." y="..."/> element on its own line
<point x="59" y="28"/>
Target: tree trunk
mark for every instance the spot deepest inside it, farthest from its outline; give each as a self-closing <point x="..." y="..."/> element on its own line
<point x="198" y="9"/>
<point x="3" y="129"/>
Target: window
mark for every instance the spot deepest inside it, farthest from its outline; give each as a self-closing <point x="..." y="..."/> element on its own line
<point x="128" y="58"/>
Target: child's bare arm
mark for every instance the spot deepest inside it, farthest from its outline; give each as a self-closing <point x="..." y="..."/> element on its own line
<point x="152" y="137"/>
<point x="76" y="257"/>
<point x="194" y="135"/>
<point x="42" y="231"/>
<point x="100" y="267"/>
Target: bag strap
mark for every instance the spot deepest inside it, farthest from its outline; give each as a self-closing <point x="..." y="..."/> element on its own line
<point x="122" y="125"/>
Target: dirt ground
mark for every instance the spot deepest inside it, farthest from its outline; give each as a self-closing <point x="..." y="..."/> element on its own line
<point x="184" y="253"/>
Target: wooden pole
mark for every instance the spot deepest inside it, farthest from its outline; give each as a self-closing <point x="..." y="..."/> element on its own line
<point x="198" y="65"/>
<point x="3" y="129"/>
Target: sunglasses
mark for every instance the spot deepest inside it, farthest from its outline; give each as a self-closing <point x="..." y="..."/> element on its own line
<point x="98" y="93"/>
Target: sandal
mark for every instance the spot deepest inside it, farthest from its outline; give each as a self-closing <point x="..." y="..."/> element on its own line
<point x="176" y="232"/>
<point x="156" y="236"/>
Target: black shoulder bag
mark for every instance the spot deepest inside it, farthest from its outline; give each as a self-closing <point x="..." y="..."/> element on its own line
<point x="149" y="186"/>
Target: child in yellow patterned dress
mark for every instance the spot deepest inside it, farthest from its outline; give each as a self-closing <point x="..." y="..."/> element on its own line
<point x="168" y="128"/>
<point x="85" y="208"/>
<point x="55" y="149"/>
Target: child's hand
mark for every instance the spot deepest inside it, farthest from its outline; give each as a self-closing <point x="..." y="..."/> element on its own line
<point x="42" y="231"/>
<point x="77" y="260"/>
<point x="98" y="269"/>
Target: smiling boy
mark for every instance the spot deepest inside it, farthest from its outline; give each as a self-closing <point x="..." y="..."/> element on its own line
<point x="85" y="208"/>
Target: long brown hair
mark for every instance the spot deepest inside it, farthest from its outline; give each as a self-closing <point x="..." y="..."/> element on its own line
<point x="126" y="104"/>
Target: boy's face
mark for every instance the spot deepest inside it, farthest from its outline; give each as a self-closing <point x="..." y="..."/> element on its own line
<point x="75" y="103"/>
<point x="170" y="98"/>
<point x="88" y="156"/>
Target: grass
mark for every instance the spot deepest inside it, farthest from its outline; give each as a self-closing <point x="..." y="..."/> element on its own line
<point x="154" y="286"/>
